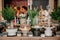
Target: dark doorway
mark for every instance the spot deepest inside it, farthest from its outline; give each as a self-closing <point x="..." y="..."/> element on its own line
<point x="55" y="4"/>
<point x="7" y="2"/>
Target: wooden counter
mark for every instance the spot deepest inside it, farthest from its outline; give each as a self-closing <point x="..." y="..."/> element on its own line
<point x="29" y="38"/>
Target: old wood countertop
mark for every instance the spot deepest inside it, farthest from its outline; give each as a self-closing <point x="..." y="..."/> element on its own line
<point x="29" y="38"/>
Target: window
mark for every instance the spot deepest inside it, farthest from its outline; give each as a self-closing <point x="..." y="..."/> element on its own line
<point x="37" y="3"/>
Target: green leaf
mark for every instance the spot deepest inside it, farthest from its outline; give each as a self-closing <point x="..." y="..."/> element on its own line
<point x="8" y="13"/>
<point x="32" y="14"/>
<point x="56" y="14"/>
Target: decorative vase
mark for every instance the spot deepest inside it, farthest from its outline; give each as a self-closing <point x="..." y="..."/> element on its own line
<point x="25" y="30"/>
<point x="35" y="20"/>
<point x="23" y="21"/>
<point x="48" y="31"/>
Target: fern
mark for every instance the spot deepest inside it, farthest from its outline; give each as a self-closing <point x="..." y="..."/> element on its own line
<point x="56" y="14"/>
<point x="8" y="14"/>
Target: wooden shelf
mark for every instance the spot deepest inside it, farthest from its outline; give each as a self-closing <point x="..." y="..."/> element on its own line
<point x="29" y="38"/>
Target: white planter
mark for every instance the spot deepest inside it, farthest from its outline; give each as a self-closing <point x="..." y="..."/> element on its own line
<point x="36" y="26"/>
<point x="25" y="31"/>
<point x="48" y="31"/>
<point x="11" y="32"/>
<point x="42" y="35"/>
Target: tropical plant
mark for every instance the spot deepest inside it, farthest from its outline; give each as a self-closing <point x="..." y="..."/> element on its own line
<point x="33" y="14"/>
<point x="8" y="14"/>
<point x="56" y="14"/>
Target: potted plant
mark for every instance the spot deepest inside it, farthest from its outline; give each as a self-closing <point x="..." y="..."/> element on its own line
<point x="55" y="15"/>
<point x="33" y="14"/>
<point x="8" y="14"/>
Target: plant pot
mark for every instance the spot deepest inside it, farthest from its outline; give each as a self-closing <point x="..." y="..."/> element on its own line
<point x="48" y="31"/>
<point x="11" y="32"/>
<point x="36" y="31"/>
<point x="25" y="31"/>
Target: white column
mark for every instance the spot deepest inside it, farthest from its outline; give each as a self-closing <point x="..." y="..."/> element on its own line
<point x="30" y="4"/>
<point x="0" y="5"/>
<point x="51" y="3"/>
<point x="0" y="8"/>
